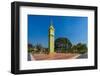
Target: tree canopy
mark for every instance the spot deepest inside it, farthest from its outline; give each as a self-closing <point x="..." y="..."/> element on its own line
<point x="79" y="48"/>
<point x="62" y="44"/>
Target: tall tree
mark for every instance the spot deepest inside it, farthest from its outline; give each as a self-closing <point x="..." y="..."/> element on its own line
<point x="62" y="44"/>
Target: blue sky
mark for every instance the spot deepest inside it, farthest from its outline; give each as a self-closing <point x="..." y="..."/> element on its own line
<point x="72" y="27"/>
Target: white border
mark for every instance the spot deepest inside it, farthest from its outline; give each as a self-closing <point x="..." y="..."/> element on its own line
<point x="26" y="65"/>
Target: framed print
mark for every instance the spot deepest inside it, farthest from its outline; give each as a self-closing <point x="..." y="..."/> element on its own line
<point x="52" y="37"/>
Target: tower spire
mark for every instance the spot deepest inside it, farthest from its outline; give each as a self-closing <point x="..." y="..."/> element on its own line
<point x="51" y="25"/>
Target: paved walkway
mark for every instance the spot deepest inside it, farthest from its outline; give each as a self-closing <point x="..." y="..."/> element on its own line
<point x="83" y="56"/>
<point x="55" y="56"/>
<point x="75" y="57"/>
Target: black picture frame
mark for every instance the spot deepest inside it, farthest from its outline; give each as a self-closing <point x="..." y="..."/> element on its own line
<point x="15" y="40"/>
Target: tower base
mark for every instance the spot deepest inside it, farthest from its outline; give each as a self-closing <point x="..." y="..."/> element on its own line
<point x="51" y="55"/>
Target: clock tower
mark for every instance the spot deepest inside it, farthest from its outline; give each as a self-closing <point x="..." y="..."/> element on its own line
<point x="51" y="38"/>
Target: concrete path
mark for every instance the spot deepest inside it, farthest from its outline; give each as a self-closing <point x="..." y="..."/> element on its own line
<point x="75" y="57"/>
<point x="83" y="56"/>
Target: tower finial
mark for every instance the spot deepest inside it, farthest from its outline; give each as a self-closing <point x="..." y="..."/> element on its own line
<point x="51" y="25"/>
<point x="51" y="21"/>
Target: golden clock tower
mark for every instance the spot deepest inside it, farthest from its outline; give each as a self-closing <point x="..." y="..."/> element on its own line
<point x="51" y="38"/>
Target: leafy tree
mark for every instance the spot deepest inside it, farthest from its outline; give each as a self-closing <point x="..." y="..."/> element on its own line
<point x="79" y="48"/>
<point x="82" y="48"/>
<point x="73" y="49"/>
<point x="62" y="45"/>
